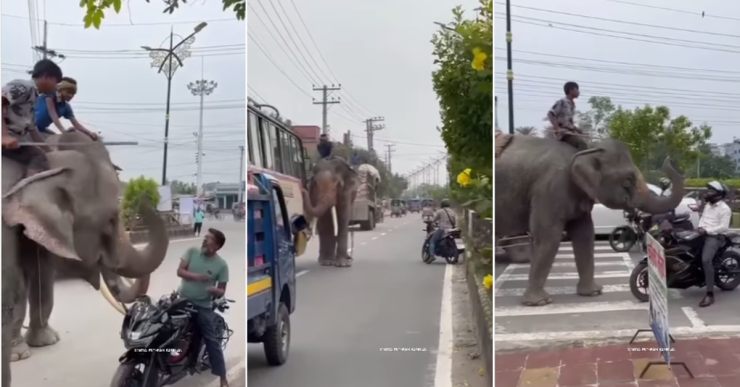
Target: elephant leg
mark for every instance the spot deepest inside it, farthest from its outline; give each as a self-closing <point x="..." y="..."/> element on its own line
<point x="547" y="235"/>
<point x="11" y="275"/>
<point x="20" y="349"/>
<point x="581" y="234"/>
<point x="327" y="241"/>
<point x="41" y="299"/>
<point x="343" y="214"/>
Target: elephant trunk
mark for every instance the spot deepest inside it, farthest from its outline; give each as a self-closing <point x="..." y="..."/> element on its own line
<point x="647" y="202"/>
<point x="319" y="209"/>
<point x="123" y="291"/>
<point x="133" y="263"/>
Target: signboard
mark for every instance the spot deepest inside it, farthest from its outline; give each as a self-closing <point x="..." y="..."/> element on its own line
<point x="165" y="198"/>
<point x="658" y="292"/>
<point x="186" y="210"/>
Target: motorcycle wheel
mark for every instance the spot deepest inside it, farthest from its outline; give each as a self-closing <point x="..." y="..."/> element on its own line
<point x="452" y="248"/>
<point x="277" y="338"/>
<point x="724" y="277"/>
<point x="127" y="375"/>
<point x="622" y="239"/>
<point x="639" y="282"/>
<point x="425" y="256"/>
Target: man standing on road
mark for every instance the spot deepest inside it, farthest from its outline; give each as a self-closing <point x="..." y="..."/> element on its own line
<point x="715" y="220"/>
<point x="445" y="220"/>
<point x="561" y="117"/>
<point x="204" y="276"/>
<point x="198" y="224"/>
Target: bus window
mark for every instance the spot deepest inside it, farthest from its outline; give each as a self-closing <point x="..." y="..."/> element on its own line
<point x="279" y="214"/>
<point x="296" y="152"/>
<point x="285" y="153"/>
<point x="267" y="146"/>
<point x="254" y="141"/>
<point x="275" y="148"/>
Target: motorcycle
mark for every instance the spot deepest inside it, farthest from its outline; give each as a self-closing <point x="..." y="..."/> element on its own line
<point x="623" y="238"/>
<point x="683" y="264"/>
<point x="446" y="246"/>
<point x="162" y="345"/>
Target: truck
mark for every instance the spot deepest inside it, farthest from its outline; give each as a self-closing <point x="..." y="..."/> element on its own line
<point x="366" y="210"/>
<point x="273" y="240"/>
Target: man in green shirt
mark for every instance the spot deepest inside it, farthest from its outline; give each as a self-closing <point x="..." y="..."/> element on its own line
<point x="204" y="276"/>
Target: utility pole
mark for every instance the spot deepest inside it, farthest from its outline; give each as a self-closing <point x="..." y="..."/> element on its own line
<point x="390" y="151"/>
<point x="325" y="103"/>
<point x="201" y="88"/>
<point x="44" y="50"/>
<point x="241" y="174"/>
<point x="509" y="72"/>
<point x="371" y="128"/>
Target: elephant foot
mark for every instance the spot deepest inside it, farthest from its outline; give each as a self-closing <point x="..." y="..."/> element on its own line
<point x="536" y="298"/>
<point x="590" y="290"/>
<point x="41" y="337"/>
<point x="343" y="262"/>
<point x="326" y="261"/>
<point x="20" y="351"/>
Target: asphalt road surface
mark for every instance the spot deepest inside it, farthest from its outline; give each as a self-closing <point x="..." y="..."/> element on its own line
<point x="88" y="352"/>
<point x="374" y="324"/>
<point x="612" y="317"/>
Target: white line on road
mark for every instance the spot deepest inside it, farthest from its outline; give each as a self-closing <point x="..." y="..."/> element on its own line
<point x="382" y="234"/>
<point x="443" y="370"/>
<point x="607" y="334"/>
<point x="568" y="264"/>
<point x="596" y="248"/>
<point x="374" y="238"/>
<point x="589" y="307"/>
<point x="300" y="273"/>
<point x="563" y="276"/>
<point x="691" y="314"/>
<point x="231" y="375"/>
<point x="596" y="255"/>
<point x="561" y="290"/>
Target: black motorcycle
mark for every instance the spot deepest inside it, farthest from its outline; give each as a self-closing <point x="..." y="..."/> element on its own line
<point x="162" y="344"/>
<point x="683" y="264"/>
<point x="446" y="246"/>
<point x="623" y="238"/>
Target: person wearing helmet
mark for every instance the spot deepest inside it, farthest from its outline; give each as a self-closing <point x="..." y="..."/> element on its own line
<point x="445" y="220"/>
<point x="665" y="185"/>
<point x="715" y="220"/>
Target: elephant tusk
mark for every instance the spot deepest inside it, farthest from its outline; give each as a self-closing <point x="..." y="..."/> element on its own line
<point x="334" y="220"/>
<point x="109" y="297"/>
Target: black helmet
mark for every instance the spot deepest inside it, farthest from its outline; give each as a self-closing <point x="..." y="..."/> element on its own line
<point x="664" y="183"/>
<point x="444" y="203"/>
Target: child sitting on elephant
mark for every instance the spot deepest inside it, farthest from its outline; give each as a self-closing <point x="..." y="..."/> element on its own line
<point x="19" y="98"/>
<point x="51" y="107"/>
<point x="561" y="117"/>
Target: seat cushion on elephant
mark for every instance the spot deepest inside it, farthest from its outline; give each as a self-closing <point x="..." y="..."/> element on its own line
<point x="502" y="141"/>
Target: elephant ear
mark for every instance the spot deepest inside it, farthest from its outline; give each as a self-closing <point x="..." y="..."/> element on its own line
<point x="585" y="170"/>
<point x="43" y="206"/>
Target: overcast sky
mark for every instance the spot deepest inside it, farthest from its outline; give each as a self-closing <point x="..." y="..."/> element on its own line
<point x="699" y="83"/>
<point x="121" y="95"/>
<point x="379" y="51"/>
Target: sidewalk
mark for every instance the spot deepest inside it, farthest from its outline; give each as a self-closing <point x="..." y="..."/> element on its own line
<point x="714" y="363"/>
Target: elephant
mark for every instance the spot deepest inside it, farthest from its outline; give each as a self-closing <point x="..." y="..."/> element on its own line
<point x="68" y="215"/>
<point x="331" y="193"/>
<point x="545" y="188"/>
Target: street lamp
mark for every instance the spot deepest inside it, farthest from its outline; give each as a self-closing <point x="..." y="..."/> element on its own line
<point x="201" y="88"/>
<point x="162" y="58"/>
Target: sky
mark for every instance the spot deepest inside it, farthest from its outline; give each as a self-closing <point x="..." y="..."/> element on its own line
<point x="122" y="96"/>
<point x="699" y="83"/>
<point x="380" y="52"/>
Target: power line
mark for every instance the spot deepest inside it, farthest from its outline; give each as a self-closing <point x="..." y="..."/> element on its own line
<point x="124" y="24"/>
<point x="259" y="46"/>
<point x="702" y="14"/>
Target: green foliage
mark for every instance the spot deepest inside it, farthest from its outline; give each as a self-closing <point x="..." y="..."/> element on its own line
<point x="597" y="119"/>
<point x="652" y="135"/>
<point x="391" y="185"/>
<point x="95" y="9"/>
<point x="709" y="164"/>
<point x="463" y="85"/>
<point x="136" y="190"/>
<point x="182" y="188"/>
<point x="701" y="183"/>
<point x="434" y="192"/>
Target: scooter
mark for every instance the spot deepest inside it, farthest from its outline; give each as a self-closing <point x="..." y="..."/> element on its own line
<point x="446" y="246"/>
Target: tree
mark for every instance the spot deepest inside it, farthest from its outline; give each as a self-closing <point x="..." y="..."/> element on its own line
<point x="182" y="188"/>
<point x="652" y="135"/>
<point x="712" y="165"/>
<point x="527" y="130"/>
<point x="136" y="190"/>
<point x="391" y="185"/>
<point x="95" y="9"/>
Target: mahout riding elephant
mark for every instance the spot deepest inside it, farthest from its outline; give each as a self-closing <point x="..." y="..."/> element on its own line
<point x="68" y="214"/>
<point x="332" y="190"/>
<point x="545" y="187"/>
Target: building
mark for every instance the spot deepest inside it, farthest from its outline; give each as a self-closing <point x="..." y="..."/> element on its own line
<point x="309" y="135"/>
<point x="224" y="194"/>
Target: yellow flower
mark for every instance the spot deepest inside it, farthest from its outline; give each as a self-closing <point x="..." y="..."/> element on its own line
<point x="464" y="177"/>
<point x="488" y="281"/>
<point x="479" y="59"/>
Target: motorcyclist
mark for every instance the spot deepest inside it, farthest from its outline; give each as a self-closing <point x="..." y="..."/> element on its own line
<point x="714" y="221"/>
<point x="665" y="186"/>
<point x="445" y="220"/>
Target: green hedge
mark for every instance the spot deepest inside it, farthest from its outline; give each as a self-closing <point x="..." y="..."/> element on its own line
<point x="701" y="183"/>
<point x="735" y="220"/>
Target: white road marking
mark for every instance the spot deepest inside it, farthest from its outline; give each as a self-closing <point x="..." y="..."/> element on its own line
<point x="596" y="255"/>
<point x="300" y="273"/>
<point x="589" y="307"/>
<point x="608" y="334"/>
<point x="568" y="264"/>
<point x="374" y="238"/>
<point x="691" y="314"/>
<point x="561" y="290"/>
<point x="382" y="234"/>
<point x="231" y="374"/>
<point x="563" y="276"/>
<point x="443" y="370"/>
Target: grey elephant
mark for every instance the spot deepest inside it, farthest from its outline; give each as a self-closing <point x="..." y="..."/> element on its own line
<point x="67" y="215"/>
<point x="545" y="188"/>
<point x="331" y="193"/>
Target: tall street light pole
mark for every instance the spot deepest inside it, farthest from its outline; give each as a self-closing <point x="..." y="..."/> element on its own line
<point x="509" y="72"/>
<point x="162" y="57"/>
<point x="201" y="88"/>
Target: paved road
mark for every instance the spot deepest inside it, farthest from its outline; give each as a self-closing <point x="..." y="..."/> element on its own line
<point x="613" y="316"/>
<point x="88" y="352"/>
<point x="345" y="317"/>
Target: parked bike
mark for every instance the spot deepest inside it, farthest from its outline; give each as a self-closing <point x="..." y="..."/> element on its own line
<point x="162" y="344"/>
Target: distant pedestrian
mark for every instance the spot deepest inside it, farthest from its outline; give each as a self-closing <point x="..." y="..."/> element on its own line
<point x="561" y="117"/>
<point x="199" y="217"/>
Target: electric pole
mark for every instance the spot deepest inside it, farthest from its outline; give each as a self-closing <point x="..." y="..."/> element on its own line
<point x="241" y="174"/>
<point x="201" y="88"/>
<point x="390" y="151"/>
<point x="509" y="71"/>
<point x="44" y="50"/>
<point x="325" y="103"/>
<point x="371" y="128"/>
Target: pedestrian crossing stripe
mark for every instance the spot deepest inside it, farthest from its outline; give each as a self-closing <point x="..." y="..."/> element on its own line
<point x="259" y="286"/>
